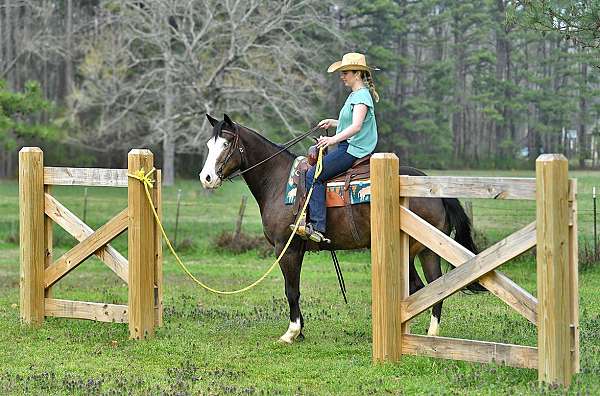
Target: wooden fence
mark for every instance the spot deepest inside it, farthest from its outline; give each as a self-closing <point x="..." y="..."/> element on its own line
<point x="40" y="271"/>
<point x="555" y="311"/>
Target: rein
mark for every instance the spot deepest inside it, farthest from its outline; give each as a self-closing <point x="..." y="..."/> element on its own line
<point x="241" y="151"/>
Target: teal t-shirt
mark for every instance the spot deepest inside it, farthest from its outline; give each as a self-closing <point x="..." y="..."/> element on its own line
<point x="364" y="142"/>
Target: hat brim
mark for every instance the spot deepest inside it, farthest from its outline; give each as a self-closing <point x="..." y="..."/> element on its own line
<point x="337" y="66"/>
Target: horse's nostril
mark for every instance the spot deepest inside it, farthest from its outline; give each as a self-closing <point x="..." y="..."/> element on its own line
<point x="208" y="178"/>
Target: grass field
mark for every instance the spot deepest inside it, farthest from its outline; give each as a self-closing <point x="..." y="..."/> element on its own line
<point x="226" y="345"/>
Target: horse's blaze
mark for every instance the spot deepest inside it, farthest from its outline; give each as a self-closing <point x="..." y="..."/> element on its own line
<point x="208" y="176"/>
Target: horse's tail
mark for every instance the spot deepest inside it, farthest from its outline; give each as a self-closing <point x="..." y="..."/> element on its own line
<point x="459" y="221"/>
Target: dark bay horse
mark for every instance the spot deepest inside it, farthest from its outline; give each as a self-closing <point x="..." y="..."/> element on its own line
<point x="234" y="147"/>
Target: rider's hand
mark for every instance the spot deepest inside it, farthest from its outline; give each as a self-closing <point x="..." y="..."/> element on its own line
<point x="327" y="123"/>
<point x="325" y="141"/>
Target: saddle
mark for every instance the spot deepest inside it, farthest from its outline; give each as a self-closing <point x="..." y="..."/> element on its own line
<point x="360" y="170"/>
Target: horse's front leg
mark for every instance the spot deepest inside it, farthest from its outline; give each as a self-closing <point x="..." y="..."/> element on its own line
<point x="291" y="264"/>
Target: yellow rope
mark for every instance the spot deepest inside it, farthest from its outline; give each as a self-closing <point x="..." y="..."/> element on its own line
<point x="149" y="183"/>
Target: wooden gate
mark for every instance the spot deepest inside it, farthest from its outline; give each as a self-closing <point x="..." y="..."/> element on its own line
<point x="39" y="272"/>
<point x="555" y="311"/>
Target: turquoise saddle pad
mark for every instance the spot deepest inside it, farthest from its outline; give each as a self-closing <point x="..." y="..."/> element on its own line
<point x="360" y="190"/>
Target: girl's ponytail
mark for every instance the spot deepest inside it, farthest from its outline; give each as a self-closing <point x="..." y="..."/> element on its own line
<point x="371" y="85"/>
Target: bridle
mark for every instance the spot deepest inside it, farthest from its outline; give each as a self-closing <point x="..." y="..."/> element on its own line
<point x="236" y="147"/>
<point x="240" y="149"/>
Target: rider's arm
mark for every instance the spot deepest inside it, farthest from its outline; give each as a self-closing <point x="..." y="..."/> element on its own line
<point x="358" y="116"/>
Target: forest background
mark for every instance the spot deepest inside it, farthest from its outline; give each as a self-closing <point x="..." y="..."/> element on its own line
<point x="464" y="84"/>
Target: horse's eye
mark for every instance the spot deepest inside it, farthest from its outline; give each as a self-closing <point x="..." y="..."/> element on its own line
<point x="226" y="144"/>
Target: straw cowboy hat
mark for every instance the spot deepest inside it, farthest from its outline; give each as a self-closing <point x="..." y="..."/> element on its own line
<point x="350" y="61"/>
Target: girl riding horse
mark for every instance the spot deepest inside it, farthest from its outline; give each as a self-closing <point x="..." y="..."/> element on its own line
<point x="356" y="137"/>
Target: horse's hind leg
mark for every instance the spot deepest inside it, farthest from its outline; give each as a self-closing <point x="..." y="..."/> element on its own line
<point x="432" y="269"/>
<point x="414" y="280"/>
<point x="291" y="265"/>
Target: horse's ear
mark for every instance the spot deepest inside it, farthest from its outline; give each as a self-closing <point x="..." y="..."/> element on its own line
<point x="213" y="121"/>
<point x="228" y="120"/>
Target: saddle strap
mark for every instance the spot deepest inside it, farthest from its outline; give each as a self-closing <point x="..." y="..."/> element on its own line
<point x="348" y="207"/>
<point x="300" y="192"/>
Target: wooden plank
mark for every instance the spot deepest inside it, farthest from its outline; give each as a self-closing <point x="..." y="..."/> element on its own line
<point x="49" y="242"/>
<point x="86" y="310"/>
<point x="31" y="235"/>
<point x="554" y="338"/>
<point x="467" y="187"/>
<point x="80" y="231"/>
<point x="141" y="249"/>
<point x="433" y="238"/>
<point x="71" y="259"/>
<point x="471" y="350"/>
<point x="387" y="270"/>
<point x="444" y="246"/>
<point x="512" y="294"/>
<point x="474" y="268"/>
<point x="97" y="177"/>
<point x="158" y="254"/>
<point x="574" y="274"/>
<point x="404" y="266"/>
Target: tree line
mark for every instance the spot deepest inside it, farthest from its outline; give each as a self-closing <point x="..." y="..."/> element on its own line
<point x="475" y="83"/>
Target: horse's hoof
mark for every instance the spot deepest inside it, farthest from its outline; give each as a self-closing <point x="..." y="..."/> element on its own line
<point x="300" y="337"/>
<point x="434" y="327"/>
<point x="292" y="333"/>
<point x="285" y="341"/>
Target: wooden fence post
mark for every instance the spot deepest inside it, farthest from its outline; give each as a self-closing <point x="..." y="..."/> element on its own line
<point x="141" y="238"/>
<point x="553" y="280"/>
<point x="386" y="253"/>
<point x="32" y="238"/>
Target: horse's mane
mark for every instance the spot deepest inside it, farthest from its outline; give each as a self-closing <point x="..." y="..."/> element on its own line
<point x="219" y="126"/>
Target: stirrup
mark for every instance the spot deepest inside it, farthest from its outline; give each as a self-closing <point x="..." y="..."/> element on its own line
<point x="314" y="235"/>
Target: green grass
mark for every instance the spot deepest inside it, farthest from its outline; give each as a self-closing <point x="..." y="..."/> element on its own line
<point x="226" y="345"/>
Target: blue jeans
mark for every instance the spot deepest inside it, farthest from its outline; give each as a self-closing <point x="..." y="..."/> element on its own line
<point x="334" y="163"/>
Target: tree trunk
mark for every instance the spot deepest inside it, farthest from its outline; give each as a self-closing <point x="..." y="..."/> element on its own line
<point x="583" y="108"/>
<point x="3" y="59"/>
<point x="168" y="171"/>
<point x="8" y="38"/>
<point x="532" y="140"/>
<point x="168" y="140"/>
<point x="3" y="162"/>
<point x="168" y="133"/>
<point x="501" y="71"/>
<point x="458" y="117"/>
<point x="69" y="56"/>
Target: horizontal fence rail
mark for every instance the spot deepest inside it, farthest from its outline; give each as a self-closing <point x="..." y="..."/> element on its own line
<point x="470" y="350"/>
<point x="100" y="312"/>
<point x="467" y="187"/>
<point x="93" y="177"/>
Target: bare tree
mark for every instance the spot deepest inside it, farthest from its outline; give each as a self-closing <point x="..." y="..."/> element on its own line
<point x="158" y="66"/>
